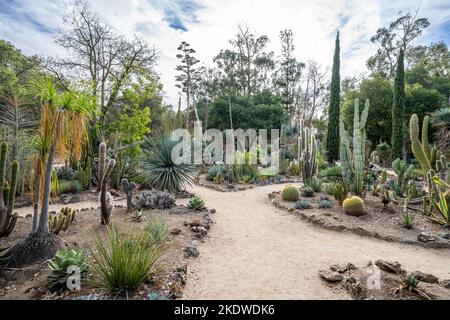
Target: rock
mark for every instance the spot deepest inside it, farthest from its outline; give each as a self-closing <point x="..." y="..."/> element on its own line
<point x="425" y="277"/>
<point x="355" y="288"/>
<point x="291" y="210"/>
<point x="344" y="268"/>
<point x="388" y="266"/>
<point x="191" y="252"/>
<point x="29" y="215"/>
<point x="200" y="230"/>
<point x="445" y="235"/>
<point x="445" y="283"/>
<point x="175" y="231"/>
<point x="179" y="210"/>
<point x="115" y="193"/>
<point x="192" y="223"/>
<point x="212" y="211"/>
<point x="331" y="276"/>
<point x="426" y="237"/>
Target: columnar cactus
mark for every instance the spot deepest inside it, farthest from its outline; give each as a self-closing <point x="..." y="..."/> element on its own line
<point x="282" y="153"/>
<point x="61" y="221"/>
<point x="101" y="163"/>
<point x="128" y="188"/>
<point x="307" y="146"/>
<point x="7" y="194"/>
<point x="352" y="161"/>
<point x="419" y="149"/>
<point x="105" y="197"/>
<point x="443" y="169"/>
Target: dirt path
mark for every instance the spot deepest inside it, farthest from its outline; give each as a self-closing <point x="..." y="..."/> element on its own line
<point x="259" y="252"/>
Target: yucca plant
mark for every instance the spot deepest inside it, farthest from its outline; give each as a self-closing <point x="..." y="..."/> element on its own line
<point x="408" y="220"/>
<point x="160" y="171"/>
<point x="62" y="267"/>
<point x="441" y="121"/>
<point x="196" y="204"/>
<point x="441" y="212"/>
<point x="124" y="259"/>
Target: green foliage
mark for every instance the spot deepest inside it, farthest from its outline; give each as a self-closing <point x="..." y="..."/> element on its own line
<point x="158" y="231"/>
<point x="441" y="122"/>
<point x="290" y="193"/>
<point x="303" y="204"/>
<point x="307" y="150"/>
<point x="124" y="258"/>
<point x="328" y="187"/>
<point x="353" y="159"/>
<point x="215" y="170"/>
<point x="340" y="191"/>
<point x="315" y="184"/>
<point x="408" y="220"/>
<point x="418" y="148"/>
<point x="196" y="204"/>
<point x="325" y="203"/>
<point x="332" y="173"/>
<point x="61" y="221"/>
<point x="308" y="191"/>
<point x="68" y="186"/>
<point x="8" y="219"/>
<point x="404" y="175"/>
<point x="354" y="206"/>
<point x="155" y="296"/>
<point x="160" y="171"/>
<point x="332" y="141"/>
<point x="398" y="109"/>
<point x="440" y="211"/>
<point x="411" y="282"/>
<point x="63" y="266"/>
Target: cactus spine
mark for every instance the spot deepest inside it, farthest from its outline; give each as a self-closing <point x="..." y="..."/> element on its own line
<point x="7" y="193"/>
<point x="307" y="146"/>
<point x="353" y="160"/>
<point x="128" y="188"/>
<point x="420" y="149"/>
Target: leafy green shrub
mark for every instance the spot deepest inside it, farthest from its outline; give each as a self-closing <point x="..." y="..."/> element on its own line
<point x="196" y="204"/>
<point x="308" y="191"/>
<point x="159" y="170"/>
<point x="62" y="267"/>
<point x="328" y="187"/>
<point x="332" y="173"/>
<point x="66" y="186"/>
<point x="315" y="184"/>
<point x="303" y="204"/>
<point x="125" y="258"/>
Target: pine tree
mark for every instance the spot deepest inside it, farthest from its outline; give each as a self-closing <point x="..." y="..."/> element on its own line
<point x="332" y="145"/>
<point x="398" y="109"/>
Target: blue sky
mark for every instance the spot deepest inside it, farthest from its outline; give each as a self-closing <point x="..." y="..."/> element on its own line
<point x="208" y="25"/>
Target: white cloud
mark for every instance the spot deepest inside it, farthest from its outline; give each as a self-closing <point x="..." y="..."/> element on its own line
<point x="314" y="24"/>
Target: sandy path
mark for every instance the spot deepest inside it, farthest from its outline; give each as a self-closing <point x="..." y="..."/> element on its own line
<point x="259" y="252"/>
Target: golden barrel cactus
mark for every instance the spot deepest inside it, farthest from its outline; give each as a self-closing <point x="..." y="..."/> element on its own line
<point x="354" y="206"/>
<point x="290" y="193"/>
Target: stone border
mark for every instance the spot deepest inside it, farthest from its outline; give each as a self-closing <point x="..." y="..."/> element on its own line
<point x="318" y="221"/>
<point x="235" y="188"/>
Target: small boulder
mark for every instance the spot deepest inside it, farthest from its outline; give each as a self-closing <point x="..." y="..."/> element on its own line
<point x="331" y="276"/>
<point x="445" y="283"/>
<point x="426" y="237"/>
<point x="389" y="266"/>
<point x="175" y="231"/>
<point x="425" y="277"/>
<point x="191" y="252"/>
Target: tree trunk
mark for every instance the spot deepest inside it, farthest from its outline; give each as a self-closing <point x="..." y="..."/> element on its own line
<point x="43" y="220"/>
<point x="37" y="200"/>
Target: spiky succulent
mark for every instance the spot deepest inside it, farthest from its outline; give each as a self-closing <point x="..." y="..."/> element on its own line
<point x="303" y="204"/>
<point x="196" y="204"/>
<point x="307" y="191"/>
<point x="159" y="170"/>
<point x="325" y="203"/>
<point x="441" y="121"/>
<point x="408" y="220"/>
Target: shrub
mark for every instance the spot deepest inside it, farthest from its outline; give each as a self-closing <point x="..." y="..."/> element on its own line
<point x="354" y="206"/>
<point x="290" y="193"/>
<point x="66" y="186"/>
<point x="196" y="204"/>
<point x="303" y="204"/>
<point x="315" y="184"/>
<point x="331" y="173"/>
<point x="125" y="258"/>
<point x="308" y="191"/>
<point x="328" y="187"/>
<point x="62" y="267"/>
<point x="65" y="173"/>
<point x="325" y="203"/>
<point x="340" y="192"/>
<point x="160" y="171"/>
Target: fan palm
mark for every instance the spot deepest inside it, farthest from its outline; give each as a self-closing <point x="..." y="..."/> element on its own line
<point x="441" y="121"/>
<point x="160" y="171"/>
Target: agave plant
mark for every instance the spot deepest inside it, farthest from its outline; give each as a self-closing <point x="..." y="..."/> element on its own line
<point x="63" y="266"/>
<point x="441" y="121"/>
<point x="160" y="171"/>
<point x="196" y="204"/>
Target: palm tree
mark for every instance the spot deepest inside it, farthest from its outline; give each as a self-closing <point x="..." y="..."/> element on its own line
<point x="441" y="121"/>
<point x="61" y="133"/>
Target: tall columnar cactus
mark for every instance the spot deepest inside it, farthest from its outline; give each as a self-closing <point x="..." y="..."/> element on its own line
<point x="7" y="194"/>
<point x="420" y="149"/>
<point x="282" y="153"/>
<point x="352" y="161"/>
<point x="101" y="163"/>
<point x="128" y="188"/>
<point x="307" y="146"/>
<point x="106" y="209"/>
<point x="84" y="175"/>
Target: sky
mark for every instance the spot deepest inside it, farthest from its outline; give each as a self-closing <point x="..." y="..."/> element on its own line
<point x="209" y="24"/>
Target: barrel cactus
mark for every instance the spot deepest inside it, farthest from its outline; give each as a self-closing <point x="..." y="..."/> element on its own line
<point x="354" y="206"/>
<point x="290" y="193"/>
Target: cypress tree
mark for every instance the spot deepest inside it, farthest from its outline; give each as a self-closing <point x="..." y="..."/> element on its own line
<point x="398" y="109"/>
<point x="332" y="145"/>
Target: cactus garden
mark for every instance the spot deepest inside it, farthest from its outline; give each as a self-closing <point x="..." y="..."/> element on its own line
<point x="133" y="169"/>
